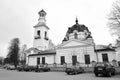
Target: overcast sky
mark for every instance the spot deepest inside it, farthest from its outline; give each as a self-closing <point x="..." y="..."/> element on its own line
<point x="17" y="18"/>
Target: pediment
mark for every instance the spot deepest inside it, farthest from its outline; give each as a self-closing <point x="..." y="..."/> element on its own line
<point x="73" y="43"/>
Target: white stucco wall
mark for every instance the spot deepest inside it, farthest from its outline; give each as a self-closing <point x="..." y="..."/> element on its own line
<point x="118" y="54"/>
<point x="32" y="61"/>
<point x="78" y="51"/>
<point x="111" y="55"/>
<point x="48" y="59"/>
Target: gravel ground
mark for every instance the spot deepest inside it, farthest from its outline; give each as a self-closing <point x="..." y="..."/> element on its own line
<point x="15" y="75"/>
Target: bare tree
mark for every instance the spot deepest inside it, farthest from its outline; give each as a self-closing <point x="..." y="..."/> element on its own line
<point x="114" y="19"/>
<point x="13" y="51"/>
<point x="22" y="54"/>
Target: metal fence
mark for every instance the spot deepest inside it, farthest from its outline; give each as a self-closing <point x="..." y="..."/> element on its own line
<point x="86" y="67"/>
<point x="70" y="65"/>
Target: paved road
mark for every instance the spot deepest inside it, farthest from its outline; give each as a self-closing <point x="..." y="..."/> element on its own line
<point x="14" y="75"/>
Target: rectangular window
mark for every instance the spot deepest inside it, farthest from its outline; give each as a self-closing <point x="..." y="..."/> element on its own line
<point x="38" y="61"/>
<point x="43" y="60"/>
<point x="74" y="60"/>
<point x="105" y="57"/>
<point x="62" y="60"/>
<point x="87" y="59"/>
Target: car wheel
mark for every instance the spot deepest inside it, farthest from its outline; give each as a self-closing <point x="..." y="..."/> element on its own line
<point x="75" y="73"/>
<point x="68" y="73"/>
<point x="96" y="74"/>
<point x="83" y="70"/>
<point x="113" y="73"/>
<point x="109" y="74"/>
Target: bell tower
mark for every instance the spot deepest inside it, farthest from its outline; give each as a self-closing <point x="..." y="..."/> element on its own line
<point x="41" y="40"/>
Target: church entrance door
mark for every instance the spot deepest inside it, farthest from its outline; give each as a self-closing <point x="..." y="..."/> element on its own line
<point x="74" y="60"/>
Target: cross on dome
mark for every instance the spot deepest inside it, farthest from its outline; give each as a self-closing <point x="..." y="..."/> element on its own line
<point x="76" y="21"/>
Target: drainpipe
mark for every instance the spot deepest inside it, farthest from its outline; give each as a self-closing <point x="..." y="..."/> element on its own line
<point x="96" y="56"/>
<point x="28" y="60"/>
<point x="96" y="53"/>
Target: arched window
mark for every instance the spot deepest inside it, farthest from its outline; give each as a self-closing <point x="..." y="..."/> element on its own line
<point x="76" y="36"/>
<point x="38" y="32"/>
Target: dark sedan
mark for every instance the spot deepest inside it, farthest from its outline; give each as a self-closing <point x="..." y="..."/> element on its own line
<point x="105" y="69"/>
<point x="20" y="68"/>
<point x="29" y="68"/>
<point x="26" y="68"/>
<point x="74" y="70"/>
<point x="11" y="67"/>
<point x="43" y="68"/>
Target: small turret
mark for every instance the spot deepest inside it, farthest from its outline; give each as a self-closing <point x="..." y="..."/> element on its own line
<point x="42" y="15"/>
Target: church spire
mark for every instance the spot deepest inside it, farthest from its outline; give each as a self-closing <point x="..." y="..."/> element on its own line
<point x="42" y="19"/>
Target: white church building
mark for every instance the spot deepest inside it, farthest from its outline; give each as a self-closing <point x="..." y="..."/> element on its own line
<point x="77" y="46"/>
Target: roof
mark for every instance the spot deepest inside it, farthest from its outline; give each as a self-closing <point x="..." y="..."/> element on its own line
<point x="41" y="24"/>
<point x="46" y="52"/>
<point x="32" y="48"/>
<point x="78" y="27"/>
<point x="42" y="11"/>
<point x="99" y="48"/>
<point x="107" y="49"/>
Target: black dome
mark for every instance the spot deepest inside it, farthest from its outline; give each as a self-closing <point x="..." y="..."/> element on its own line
<point x="78" y="27"/>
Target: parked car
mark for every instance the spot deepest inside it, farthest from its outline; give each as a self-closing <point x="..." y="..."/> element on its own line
<point x="11" y="67"/>
<point x="29" y="68"/>
<point x="43" y="68"/>
<point x="104" y="68"/>
<point x="20" y="68"/>
<point x="74" y="70"/>
<point x="4" y="66"/>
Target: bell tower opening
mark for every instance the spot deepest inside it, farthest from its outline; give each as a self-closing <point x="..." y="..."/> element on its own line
<point x="38" y="32"/>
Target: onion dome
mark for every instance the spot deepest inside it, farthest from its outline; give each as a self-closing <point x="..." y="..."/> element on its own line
<point x="77" y="31"/>
<point x="78" y="27"/>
